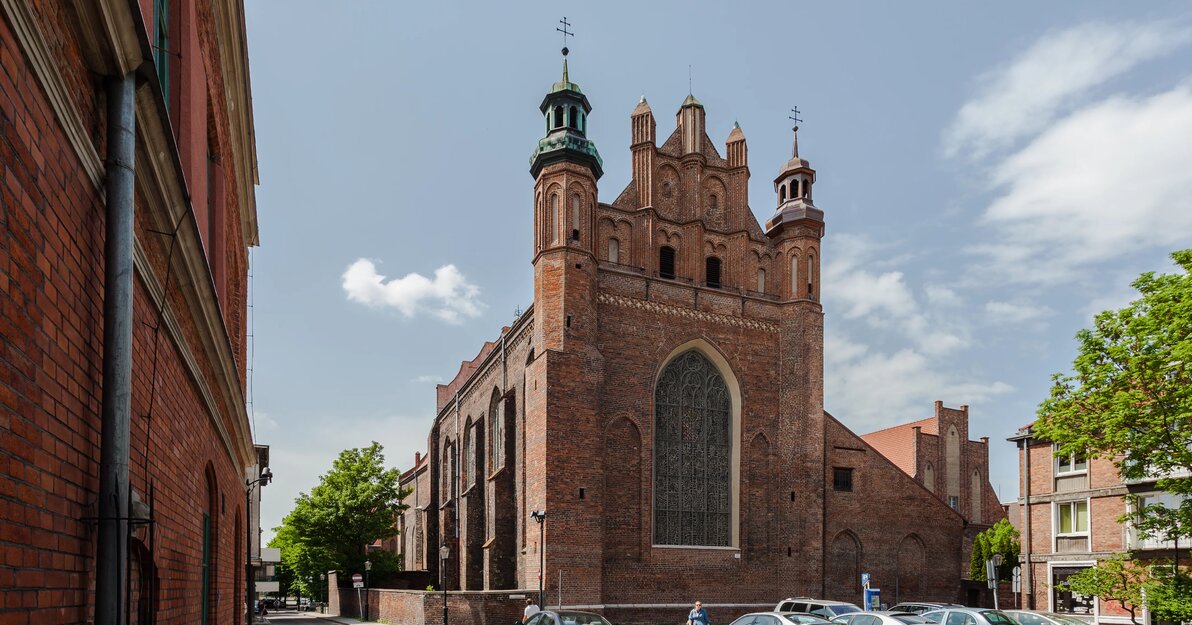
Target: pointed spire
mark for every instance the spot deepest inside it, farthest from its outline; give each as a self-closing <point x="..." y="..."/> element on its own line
<point x="642" y="108"/>
<point x="795" y="149"/>
<point x="565" y="69"/>
<point x="736" y="134"/>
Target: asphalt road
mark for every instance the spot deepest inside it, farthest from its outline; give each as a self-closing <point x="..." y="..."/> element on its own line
<point x="291" y="617"/>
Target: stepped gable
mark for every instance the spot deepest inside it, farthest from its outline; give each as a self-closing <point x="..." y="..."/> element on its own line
<point x="466" y="369"/>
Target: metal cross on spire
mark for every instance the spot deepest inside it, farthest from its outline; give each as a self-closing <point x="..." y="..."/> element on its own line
<point x="794" y="116"/>
<point x="566" y="33"/>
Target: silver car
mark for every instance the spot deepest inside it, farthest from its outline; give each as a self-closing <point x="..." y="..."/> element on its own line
<point x="880" y="617"/>
<point x="968" y="616"/>
<point x="1034" y="617"/>
<point x="781" y="618"/>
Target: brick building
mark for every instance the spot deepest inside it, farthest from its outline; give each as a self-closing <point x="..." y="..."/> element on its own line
<point x="1069" y="509"/>
<point x="938" y="454"/>
<point x="662" y="402"/>
<point x="167" y="82"/>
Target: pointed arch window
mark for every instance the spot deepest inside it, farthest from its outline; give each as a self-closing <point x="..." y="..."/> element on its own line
<point x="573" y="120"/>
<point x="666" y="262"/>
<point x="712" y="272"/>
<point x="810" y="276"/>
<point x="469" y="455"/>
<point x="574" y="217"/>
<point x="496" y="437"/>
<point x="558" y="117"/>
<point x="554" y="219"/>
<point x="781" y="193"/>
<point x="795" y="286"/>
<point x="761" y="280"/>
<point x="692" y="454"/>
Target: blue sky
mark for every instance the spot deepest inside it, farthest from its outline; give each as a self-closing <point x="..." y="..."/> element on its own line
<point x="992" y="175"/>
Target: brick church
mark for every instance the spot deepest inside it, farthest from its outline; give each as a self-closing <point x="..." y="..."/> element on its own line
<point x="662" y="403"/>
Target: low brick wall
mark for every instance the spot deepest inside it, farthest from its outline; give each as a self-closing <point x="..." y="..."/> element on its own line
<point x="419" y="607"/>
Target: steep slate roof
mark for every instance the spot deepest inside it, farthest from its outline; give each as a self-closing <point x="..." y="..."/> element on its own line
<point x="897" y="443"/>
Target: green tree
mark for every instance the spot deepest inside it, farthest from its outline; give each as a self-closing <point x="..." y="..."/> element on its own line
<point x="355" y="504"/>
<point x="1002" y="539"/>
<point x="1130" y="396"/>
<point x="1129" y="399"/>
<point x="1117" y="579"/>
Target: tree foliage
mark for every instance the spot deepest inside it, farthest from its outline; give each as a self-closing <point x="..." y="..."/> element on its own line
<point x="1134" y="584"/>
<point x="1129" y="399"/>
<point x="1002" y="539"/>
<point x="356" y="503"/>
<point x="1130" y="396"/>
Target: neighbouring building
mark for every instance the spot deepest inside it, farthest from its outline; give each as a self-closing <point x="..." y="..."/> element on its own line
<point x="1069" y="507"/>
<point x="124" y="120"/>
<point x="662" y="404"/>
<point x="938" y="454"/>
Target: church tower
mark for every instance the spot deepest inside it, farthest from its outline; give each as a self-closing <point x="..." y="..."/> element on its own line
<point x="564" y="378"/>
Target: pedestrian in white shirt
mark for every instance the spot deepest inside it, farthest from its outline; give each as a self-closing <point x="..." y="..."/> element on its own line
<point x="531" y="609"/>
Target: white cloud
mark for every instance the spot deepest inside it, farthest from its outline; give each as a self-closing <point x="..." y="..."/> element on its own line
<point x="1024" y="96"/>
<point x="427" y="379"/>
<point x="941" y="295"/>
<point x="448" y="296"/>
<point x="883" y="299"/>
<point x="1007" y="312"/>
<point x="1106" y="181"/>
<point x="869" y="390"/>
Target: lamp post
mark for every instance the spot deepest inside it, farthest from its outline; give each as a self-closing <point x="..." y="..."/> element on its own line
<point x="323" y="583"/>
<point x="367" y="601"/>
<point x="540" y="517"/>
<point x="444" y="553"/>
<point x="250" y="582"/>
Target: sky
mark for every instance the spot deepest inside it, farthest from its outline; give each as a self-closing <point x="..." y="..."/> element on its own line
<point x="992" y="175"/>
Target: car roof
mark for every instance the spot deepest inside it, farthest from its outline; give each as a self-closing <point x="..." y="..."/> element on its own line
<point x="810" y="600"/>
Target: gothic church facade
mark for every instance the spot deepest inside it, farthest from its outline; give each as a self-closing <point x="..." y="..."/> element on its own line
<point x="662" y="402"/>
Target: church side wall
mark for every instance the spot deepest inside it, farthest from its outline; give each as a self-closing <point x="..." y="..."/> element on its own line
<point x="888" y="526"/>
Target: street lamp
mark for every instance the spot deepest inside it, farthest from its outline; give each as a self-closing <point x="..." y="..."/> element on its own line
<point x="367" y="602"/>
<point x="323" y="583"/>
<point x="540" y="517"/>
<point x="444" y="553"/>
<point x="250" y="582"/>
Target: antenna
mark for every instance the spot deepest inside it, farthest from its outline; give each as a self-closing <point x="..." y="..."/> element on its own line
<point x="566" y="33"/>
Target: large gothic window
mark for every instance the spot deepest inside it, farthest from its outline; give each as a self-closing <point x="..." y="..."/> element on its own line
<point x="692" y="454"/>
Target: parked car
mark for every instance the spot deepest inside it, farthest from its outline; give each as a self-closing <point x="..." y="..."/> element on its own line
<point x="820" y="607"/>
<point x="919" y="607"/>
<point x="566" y="617"/>
<point x="880" y="617"/>
<point x="1035" y="617"/>
<point x="781" y="618"/>
<point x="968" y="616"/>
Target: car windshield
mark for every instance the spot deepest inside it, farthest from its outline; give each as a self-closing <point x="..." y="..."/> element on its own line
<point x="844" y="609"/>
<point x="998" y="618"/>
<point x="804" y="619"/>
<point x="581" y="618"/>
<point x="909" y="619"/>
<point x="933" y="616"/>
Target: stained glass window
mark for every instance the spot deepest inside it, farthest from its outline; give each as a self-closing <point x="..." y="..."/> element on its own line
<point x="692" y="454"/>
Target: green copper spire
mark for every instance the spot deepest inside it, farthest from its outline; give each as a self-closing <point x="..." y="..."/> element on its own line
<point x="566" y="109"/>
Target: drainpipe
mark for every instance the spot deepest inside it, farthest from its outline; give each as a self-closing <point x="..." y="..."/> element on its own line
<point x="112" y="554"/>
<point x="1029" y="587"/>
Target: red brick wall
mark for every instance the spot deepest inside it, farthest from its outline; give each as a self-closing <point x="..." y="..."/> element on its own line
<point x="51" y="324"/>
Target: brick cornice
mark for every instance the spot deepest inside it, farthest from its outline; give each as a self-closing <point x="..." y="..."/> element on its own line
<point x="609" y="299"/>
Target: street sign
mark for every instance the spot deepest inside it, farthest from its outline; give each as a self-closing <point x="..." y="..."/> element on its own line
<point x="357" y="584"/>
<point x="865" y="580"/>
<point x="356" y="577"/>
<point x="1017" y="579"/>
<point x="991" y="574"/>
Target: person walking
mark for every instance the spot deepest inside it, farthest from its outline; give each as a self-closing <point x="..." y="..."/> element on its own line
<point x="531" y="609"/>
<point x="698" y="615"/>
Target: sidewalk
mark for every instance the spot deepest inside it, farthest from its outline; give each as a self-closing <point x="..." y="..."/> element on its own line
<point x="346" y="620"/>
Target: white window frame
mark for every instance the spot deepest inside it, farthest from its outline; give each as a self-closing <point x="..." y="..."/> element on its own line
<point x="1087" y="534"/>
<point x="1071" y="458"/>
<point x="1133" y="540"/>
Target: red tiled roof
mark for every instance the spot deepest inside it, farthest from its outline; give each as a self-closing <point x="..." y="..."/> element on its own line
<point x="897" y="443"/>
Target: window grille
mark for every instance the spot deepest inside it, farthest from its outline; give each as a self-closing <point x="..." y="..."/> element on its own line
<point x="692" y="454"/>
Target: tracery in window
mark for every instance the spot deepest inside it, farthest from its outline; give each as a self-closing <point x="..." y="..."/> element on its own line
<point x="692" y="454"/>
